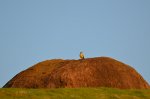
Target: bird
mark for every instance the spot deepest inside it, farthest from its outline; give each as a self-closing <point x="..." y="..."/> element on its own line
<point x="81" y="55"/>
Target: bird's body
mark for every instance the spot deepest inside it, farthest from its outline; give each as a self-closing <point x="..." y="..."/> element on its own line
<point x="81" y="55"/>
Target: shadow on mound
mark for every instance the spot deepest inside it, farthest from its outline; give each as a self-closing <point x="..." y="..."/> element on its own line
<point x="91" y="72"/>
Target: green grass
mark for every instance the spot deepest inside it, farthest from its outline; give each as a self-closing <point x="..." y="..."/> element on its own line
<point x="73" y="93"/>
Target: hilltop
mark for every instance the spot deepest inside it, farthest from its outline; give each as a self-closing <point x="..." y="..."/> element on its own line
<point x="90" y="72"/>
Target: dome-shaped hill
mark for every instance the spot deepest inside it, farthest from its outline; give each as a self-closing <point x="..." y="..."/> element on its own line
<point x="90" y="72"/>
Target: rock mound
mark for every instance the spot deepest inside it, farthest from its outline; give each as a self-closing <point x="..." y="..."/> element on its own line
<point x="90" y="72"/>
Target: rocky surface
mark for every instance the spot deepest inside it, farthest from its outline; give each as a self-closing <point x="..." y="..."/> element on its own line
<point x="90" y="72"/>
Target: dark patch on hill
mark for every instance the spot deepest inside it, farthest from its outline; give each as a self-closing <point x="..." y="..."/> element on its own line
<point x="90" y="72"/>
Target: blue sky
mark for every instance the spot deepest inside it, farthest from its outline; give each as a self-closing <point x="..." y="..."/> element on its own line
<point x="35" y="30"/>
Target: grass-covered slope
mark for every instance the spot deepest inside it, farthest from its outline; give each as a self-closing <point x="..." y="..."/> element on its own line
<point x="73" y="93"/>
